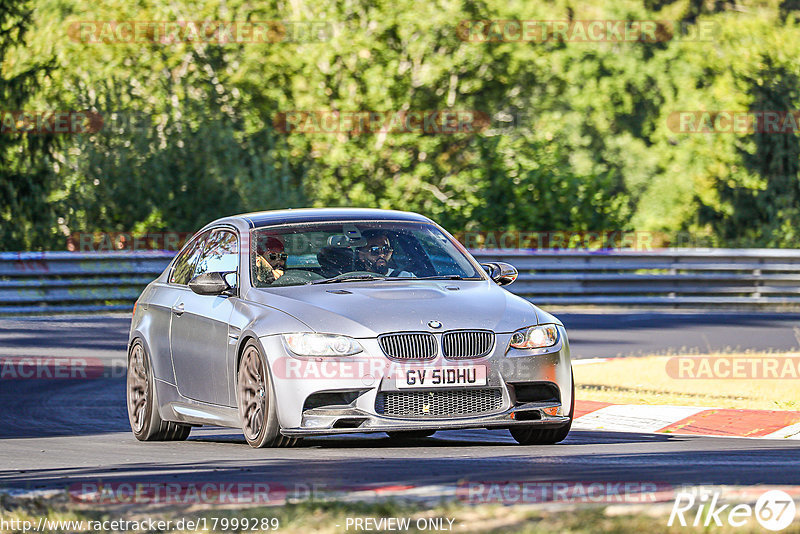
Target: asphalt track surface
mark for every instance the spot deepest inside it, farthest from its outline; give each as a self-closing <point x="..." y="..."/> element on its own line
<point x="55" y="433"/>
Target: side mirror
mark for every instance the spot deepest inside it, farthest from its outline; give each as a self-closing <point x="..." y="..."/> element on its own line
<point x="502" y="273"/>
<point x="209" y="284"/>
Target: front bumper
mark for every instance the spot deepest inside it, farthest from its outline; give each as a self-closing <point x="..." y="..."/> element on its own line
<point x="323" y="421"/>
<point x="295" y="380"/>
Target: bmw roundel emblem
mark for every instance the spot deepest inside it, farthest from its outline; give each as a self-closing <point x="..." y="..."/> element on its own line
<point x="434" y="324"/>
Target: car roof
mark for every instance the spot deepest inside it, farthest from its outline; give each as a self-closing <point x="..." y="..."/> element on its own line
<point x="266" y="218"/>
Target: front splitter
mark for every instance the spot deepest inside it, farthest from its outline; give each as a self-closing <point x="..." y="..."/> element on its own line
<point x="324" y="423"/>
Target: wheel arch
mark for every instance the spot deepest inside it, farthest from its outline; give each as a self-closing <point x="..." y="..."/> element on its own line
<point x="138" y="336"/>
<point x="245" y="339"/>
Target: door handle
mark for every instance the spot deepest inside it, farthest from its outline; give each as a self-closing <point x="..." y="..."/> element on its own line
<point x="178" y="309"/>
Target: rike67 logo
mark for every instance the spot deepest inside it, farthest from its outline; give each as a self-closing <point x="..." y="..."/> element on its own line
<point x="774" y="510"/>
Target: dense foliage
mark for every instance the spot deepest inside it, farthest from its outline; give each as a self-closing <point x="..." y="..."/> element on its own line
<point x="579" y="134"/>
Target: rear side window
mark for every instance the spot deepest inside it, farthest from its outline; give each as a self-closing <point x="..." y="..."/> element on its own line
<point x="184" y="265"/>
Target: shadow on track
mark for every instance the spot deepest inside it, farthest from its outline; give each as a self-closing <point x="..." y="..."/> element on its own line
<point x="417" y="466"/>
<point x="43" y="408"/>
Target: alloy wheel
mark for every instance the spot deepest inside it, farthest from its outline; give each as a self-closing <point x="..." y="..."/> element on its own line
<point x="137" y="388"/>
<point x="253" y="400"/>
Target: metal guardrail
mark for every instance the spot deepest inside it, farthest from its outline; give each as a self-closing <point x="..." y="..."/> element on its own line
<point x="49" y="282"/>
<point x="52" y="282"/>
<point x="671" y="277"/>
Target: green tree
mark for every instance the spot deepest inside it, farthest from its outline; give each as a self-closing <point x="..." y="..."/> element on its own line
<point x="27" y="218"/>
<point x="578" y="138"/>
<point x="765" y="211"/>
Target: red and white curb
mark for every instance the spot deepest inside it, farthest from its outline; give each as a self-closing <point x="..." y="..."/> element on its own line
<point x="691" y="420"/>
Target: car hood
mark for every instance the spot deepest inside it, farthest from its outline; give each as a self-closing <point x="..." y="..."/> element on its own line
<point x="367" y="309"/>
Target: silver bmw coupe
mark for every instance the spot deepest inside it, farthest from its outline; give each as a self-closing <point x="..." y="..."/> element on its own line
<point x="313" y="322"/>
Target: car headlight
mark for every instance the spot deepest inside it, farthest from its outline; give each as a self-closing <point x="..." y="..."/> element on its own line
<point x="535" y="337"/>
<point x="305" y="344"/>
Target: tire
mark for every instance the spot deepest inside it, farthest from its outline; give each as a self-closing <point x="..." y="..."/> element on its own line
<point x="534" y="435"/>
<point x="256" y="400"/>
<point x="146" y="423"/>
<point x="411" y="434"/>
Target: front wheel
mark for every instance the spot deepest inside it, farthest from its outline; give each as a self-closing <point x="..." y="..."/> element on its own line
<point x="256" y="399"/>
<point x="143" y="416"/>
<point x="533" y="435"/>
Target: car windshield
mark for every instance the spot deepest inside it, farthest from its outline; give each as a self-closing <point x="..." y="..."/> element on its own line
<point x="355" y="251"/>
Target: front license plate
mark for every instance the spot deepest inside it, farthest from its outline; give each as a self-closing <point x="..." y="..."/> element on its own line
<point x="443" y="377"/>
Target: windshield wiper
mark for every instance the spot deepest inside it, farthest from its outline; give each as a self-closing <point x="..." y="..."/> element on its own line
<point x="440" y="277"/>
<point x="352" y="278"/>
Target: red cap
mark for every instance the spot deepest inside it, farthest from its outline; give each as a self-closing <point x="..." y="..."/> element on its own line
<point x="270" y="243"/>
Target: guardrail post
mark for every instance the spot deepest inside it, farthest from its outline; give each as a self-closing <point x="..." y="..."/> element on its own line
<point x="757" y="283"/>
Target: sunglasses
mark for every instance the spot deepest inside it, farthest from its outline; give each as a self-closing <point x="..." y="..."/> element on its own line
<point x="274" y="256"/>
<point x="385" y="249"/>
